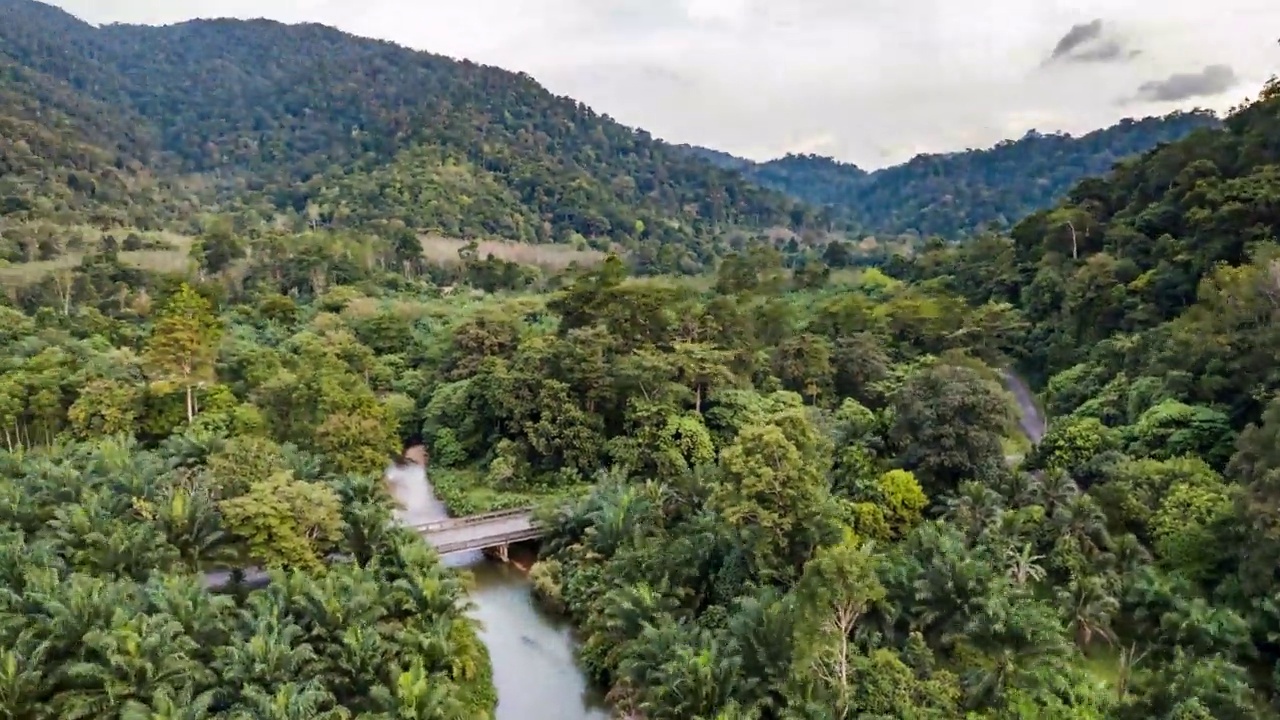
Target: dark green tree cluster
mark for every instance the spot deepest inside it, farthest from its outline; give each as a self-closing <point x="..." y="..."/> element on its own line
<point x="655" y="376"/>
<point x="1149" y="294"/>
<point x="837" y="539"/>
<point x="1150" y="306"/>
<point x="60" y="166"/>
<point x="785" y="490"/>
<point x="960" y="194"/>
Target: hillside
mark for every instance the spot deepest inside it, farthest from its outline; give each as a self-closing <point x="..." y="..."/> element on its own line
<point x="308" y="125"/>
<point x="958" y="194"/>
<point x="1157" y="281"/>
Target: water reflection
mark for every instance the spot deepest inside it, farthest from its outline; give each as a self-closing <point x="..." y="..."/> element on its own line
<point x="534" y="668"/>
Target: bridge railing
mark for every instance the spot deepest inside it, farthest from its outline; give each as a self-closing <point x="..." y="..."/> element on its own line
<point x="454" y="523"/>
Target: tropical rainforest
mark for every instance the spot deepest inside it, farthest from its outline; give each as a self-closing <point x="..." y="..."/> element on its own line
<point x="961" y="194"/>
<point x="778" y="484"/>
<point x="882" y="555"/>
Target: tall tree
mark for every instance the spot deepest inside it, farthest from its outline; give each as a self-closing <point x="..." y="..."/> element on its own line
<point x="183" y="346"/>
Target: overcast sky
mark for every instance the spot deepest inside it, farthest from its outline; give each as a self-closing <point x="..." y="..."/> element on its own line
<point x="867" y="81"/>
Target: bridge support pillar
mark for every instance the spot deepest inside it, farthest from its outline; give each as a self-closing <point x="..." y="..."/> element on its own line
<point x="501" y="553"/>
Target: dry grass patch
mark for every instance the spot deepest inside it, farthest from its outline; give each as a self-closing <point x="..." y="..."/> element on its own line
<point x="444" y="250"/>
<point x="174" y="258"/>
<point x="24" y="274"/>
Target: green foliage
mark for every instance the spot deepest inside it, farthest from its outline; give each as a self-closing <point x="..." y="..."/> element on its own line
<point x="183" y="346"/>
<point x="285" y="523"/>
<point x="948" y="422"/>
<point x="103" y="614"/>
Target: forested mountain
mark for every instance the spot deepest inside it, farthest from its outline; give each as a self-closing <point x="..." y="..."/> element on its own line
<point x="961" y="193"/>
<point x="315" y="126"/>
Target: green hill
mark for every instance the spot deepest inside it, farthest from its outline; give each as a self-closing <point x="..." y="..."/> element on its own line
<point x="1158" y="281"/>
<point x="961" y="193"/>
<point x="308" y="125"/>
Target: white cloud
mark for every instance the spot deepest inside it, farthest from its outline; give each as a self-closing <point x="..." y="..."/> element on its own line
<point x="869" y="81"/>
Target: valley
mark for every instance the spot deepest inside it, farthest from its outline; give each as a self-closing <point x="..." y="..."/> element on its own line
<point x="987" y="435"/>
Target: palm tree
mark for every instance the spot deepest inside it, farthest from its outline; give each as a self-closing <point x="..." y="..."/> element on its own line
<point x="1024" y="644"/>
<point x="1054" y="489"/>
<point x="1021" y="566"/>
<point x="95" y="537"/>
<point x="360" y="654"/>
<point x="1090" y="606"/>
<point x="290" y="701"/>
<point x="1019" y="489"/>
<point x="271" y="653"/>
<point x="430" y="590"/>
<point x="762" y="629"/>
<point x="693" y="677"/>
<point x="616" y="518"/>
<point x="23" y="684"/>
<point x="192" y="524"/>
<point x="1081" y="522"/>
<point x="1130" y="555"/>
<point x="169" y="704"/>
<point x="973" y="509"/>
<point x="618" y="617"/>
<point x="419" y="695"/>
<point x="205" y="617"/>
<point x="134" y="658"/>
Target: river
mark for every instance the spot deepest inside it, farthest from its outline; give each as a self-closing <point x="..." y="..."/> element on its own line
<point x="534" y="668"/>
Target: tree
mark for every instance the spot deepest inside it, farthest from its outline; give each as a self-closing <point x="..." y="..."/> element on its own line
<point x="285" y="522"/>
<point x="948" y="425"/>
<point x="839" y="586"/>
<point x="183" y="346"/>
<point x="773" y="498"/>
<point x="803" y="363"/>
<point x="360" y="443"/>
<point x="218" y="246"/>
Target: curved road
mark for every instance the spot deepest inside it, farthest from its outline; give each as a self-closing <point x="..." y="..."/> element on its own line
<point x="1030" y="418"/>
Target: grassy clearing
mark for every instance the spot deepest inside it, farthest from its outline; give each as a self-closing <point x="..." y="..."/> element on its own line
<point x="1016" y="444"/>
<point x="444" y="250"/>
<point x="174" y="257"/>
<point x="1103" y="663"/>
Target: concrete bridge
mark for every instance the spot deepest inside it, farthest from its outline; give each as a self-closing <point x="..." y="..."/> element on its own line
<point x="486" y="531"/>
<point x="481" y="532"/>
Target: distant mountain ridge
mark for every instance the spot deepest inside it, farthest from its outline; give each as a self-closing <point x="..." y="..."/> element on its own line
<point x="306" y="126"/>
<point x="961" y="193"/>
<point x="310" y="125"/>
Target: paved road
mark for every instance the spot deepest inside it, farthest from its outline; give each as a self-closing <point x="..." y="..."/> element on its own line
<point x="1030" y="418"/>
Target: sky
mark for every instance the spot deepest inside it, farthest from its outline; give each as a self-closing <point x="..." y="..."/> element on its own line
<point x="873" y="82"/>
